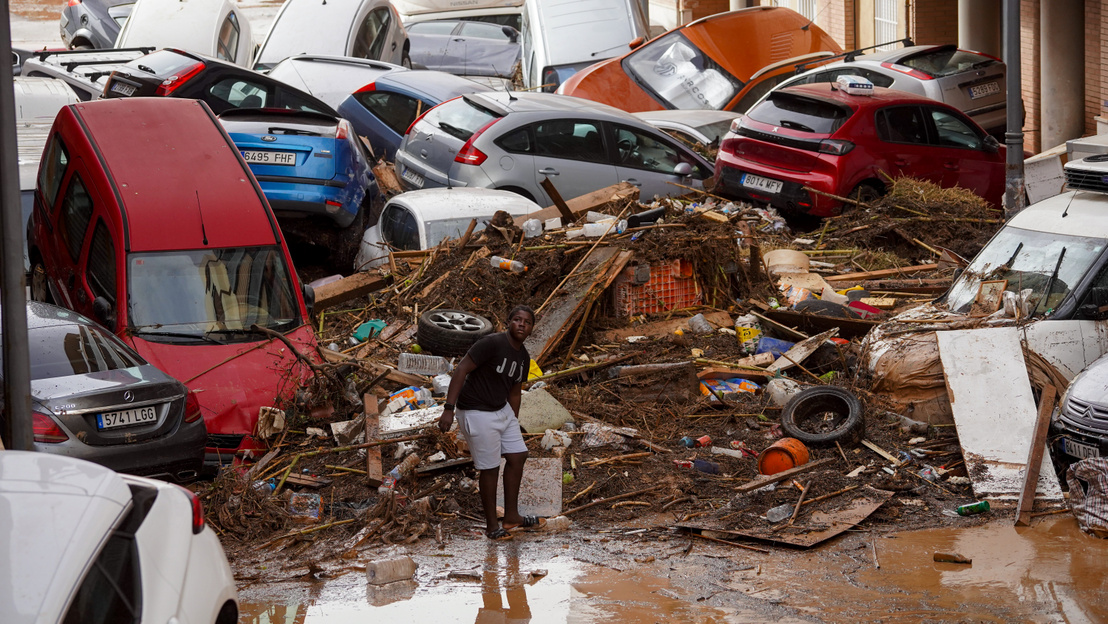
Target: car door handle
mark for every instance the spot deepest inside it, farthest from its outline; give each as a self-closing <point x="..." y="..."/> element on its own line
<point x="393" y="45"/>
<point x="632" y="182"/>
<point x="951" y="166"/>
<point x="549" y="171"/>
<point x="900" y="163"/>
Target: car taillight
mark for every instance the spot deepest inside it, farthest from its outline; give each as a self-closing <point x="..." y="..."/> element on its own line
<point x="550" y="82"/>
<point x="74" y="2"/>
<point x="836" y="147"/>
<point x="369" y="88"/>
<point x="736" y="123"/>
<point x="344" y="130"/>
<point x="915" y="73"/>
<point x="46" y="430"/>
<point x="174" y="82"/>
<point x="192" y="408"/>
<point x="470" y="155"/>
<point x="197" y="510"/>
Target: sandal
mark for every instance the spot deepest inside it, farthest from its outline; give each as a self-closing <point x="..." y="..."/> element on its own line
<point x="499" y="535"/>
<point x="529" y="522"/>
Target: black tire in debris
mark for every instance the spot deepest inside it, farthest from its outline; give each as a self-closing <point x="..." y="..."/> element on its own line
<point x="824" y="415"/>
<point x="450" y="332"/>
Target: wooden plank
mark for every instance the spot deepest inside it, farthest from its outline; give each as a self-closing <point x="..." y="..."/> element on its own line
<point x="848" y="328"/>
<point x="373" y="472"/>
<point x="1035" y="457"/>
<point x="994" y="410"/>
<point x="406" y="379"/>
<point x="857" y="277"/>
<point x="556" y="197"/>
<point x="427" y="289"/>
<point x="349" y="287"/>
<point x="765" y="480"/>
<point x="304" y="480"/>
<point x="662" y="329"/>
<point x="387" y="182"/>
<point x="596" y="200"/>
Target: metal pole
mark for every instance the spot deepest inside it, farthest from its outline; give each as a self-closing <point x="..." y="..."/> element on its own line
<point x="13" y="301"/>
<point x="1013" y="138"/>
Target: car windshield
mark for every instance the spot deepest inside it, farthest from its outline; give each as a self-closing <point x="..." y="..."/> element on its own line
<point x="459" y="118"/>
<point x="1015" y="259"/>
<point x="947" y="61"/>
<point x="197" y="293"/>
<point x="76" y="349"/>
<point x="800" y="113"/>
<point x="682" y="76"/>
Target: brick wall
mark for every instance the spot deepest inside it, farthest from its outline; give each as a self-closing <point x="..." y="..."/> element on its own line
<point x="934" y="22"/>
<point x="1096" y="62"/>
<point x="1029" y="59"/>
<point x="836" y="18"/>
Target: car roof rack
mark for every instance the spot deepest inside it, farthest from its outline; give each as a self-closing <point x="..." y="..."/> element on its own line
<point x="849" y="57"/>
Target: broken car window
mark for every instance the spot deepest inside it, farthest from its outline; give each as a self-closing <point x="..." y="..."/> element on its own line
<point x="1028" y="260"/>
<point x="682" y="76"/>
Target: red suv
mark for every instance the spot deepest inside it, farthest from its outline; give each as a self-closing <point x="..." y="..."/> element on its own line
<point x="821" y="137"/>
<point x="147" y="219"/>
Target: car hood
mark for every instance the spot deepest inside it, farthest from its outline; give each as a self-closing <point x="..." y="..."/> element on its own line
<point x="1091" y="385"/>
<point x="55" y="512"/>
<point x="606" y="82"/>
<point x="233" y="381"/>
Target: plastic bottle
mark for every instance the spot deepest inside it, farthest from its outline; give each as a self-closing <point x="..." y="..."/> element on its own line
<point x="531" y="228"/>
<point x="384" y="571"/>
<point x="557" y="523"/>
<point x="422" y="364"/>
<point x="781" y="389"/>
<point x="700" y="325"/>
<point x="515" y="266"/>
<point x="747" y="330"/>
<point x="265" y="487"/>
<point x="388" y="483"/>
<point x="973" y="508"/>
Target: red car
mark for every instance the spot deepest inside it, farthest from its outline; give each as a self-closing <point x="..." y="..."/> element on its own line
<point x="147" y="219"/>
<point x="821" y="137"/>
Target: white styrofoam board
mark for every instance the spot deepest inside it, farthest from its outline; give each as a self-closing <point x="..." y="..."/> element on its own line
<point x="1069" y="345"/>
<point x="994" y="410"/>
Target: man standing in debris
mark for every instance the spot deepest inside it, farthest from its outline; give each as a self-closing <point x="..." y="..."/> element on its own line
<point x="486" y="389"/>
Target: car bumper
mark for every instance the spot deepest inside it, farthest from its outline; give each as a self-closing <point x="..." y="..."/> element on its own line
<point x="1074" y="442"/>
<point x="177" y="457"/>
<point x="792" y="197"/>
<point x="310" y="198"/>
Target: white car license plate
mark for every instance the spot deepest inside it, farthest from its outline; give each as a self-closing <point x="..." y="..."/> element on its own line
<point x="750" y="180"/>
<point x="414" y="178"/>
<point x="984" y="90"/>
<point x="269" y="158"/>
<point x="127" y="418"/>
<point x="125" y="90"/>
<point x="1077" y="449"/>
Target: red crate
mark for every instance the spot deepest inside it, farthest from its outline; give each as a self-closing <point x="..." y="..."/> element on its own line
<point x="671" y="287"/>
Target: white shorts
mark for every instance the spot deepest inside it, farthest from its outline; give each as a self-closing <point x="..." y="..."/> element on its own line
<point x="490" y="435"/>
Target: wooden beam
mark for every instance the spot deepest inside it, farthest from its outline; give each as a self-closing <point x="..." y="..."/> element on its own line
<point x="662" y="329"/>
<point x="350" y="287"/>
<point x="373" y="473"/>
<point x="765" y="480"/>
<point x="857" y="277"/>
<point x="1035" y="457"/>
<point x="559" y="203"/>
<point x="598" y="200"/>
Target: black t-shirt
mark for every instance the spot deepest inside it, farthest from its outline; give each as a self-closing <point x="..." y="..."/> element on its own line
<point x="499" y="368"/>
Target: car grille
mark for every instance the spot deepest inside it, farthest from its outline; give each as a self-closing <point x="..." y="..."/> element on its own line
<point x="1085" y="415"/>
<point x="1086" y="180"/>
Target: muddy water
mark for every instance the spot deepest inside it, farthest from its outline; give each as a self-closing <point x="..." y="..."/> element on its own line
<point x="1048" y="573"/>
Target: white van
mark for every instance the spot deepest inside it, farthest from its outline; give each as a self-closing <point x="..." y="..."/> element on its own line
<point x="369" y="29"/>
<point x="502" y="12"/>
<point x="212" y="27"/>
<point x="562" y="37"/>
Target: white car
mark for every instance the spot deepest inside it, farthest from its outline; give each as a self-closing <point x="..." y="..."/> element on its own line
<point x="422" y="219"/>
<point x="369" y="29"/>
<point x="694" y="127"/>
<point x="85" y="544"/>
<point x="503" y="12"/>
<point x="211" y="27"/>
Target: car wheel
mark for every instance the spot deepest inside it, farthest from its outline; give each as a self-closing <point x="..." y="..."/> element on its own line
<point x="824" y="415"/>
<point x="866" y="193"/>
<point x="450" y="332"/>
<point x="81" y="45"/>
<point x="39" y="289"/>
<point x="406" y="60"/>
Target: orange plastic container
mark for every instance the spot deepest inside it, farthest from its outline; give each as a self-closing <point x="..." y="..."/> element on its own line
<point x="781" y="455"/>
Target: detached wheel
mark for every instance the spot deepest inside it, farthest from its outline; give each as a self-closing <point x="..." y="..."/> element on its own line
<point x="824" y="415"/>
<point x="450" y="332"/>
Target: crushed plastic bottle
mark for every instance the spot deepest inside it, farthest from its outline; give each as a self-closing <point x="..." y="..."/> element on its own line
<point x="531" y="228"/>
<point x="422" y="364"/>
<point x="515" y="266"/>
<point x="388" y="483"/>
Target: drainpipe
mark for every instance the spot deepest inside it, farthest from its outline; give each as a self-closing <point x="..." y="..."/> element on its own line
<point x="17" y="434"/>
<point x="1013" y="138"/>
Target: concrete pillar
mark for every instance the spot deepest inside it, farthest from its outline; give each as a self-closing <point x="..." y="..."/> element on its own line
<point x="1062" y="71"/>
<point x="735" y="5"/>
<point x="979" y="26"/>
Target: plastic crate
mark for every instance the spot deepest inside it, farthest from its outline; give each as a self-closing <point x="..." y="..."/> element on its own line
<point x="671" y="287"/>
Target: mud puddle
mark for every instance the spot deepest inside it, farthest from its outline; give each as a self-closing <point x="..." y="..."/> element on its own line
<point x="1050" y="572"/>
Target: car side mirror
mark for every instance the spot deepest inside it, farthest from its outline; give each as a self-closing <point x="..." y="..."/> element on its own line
<point x="991" y="144"/>
<point x="1095" y="305"/>
<point x="511" y="33"/>
<point x="636" y="42"/>
<point x="103" y="313"/>
<point x="683" y="169"/>
<point x="309" y="297"/>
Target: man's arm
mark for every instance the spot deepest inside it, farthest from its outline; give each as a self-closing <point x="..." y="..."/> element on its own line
<point x="513" y="397"/>
<point x="464" y="368"/>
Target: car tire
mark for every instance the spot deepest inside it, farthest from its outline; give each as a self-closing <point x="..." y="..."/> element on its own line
<point x="40" y="291"/>
<point x="450" y="332"/>
<point x="866" y="193"/>
<point x="824" y="415"/>
<point x="406" y="60"/>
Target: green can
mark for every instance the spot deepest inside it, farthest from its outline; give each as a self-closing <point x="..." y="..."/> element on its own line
<point x="973" y="508"/>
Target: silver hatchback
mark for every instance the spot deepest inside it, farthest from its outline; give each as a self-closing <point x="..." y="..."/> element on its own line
<point x="513" y="141"/>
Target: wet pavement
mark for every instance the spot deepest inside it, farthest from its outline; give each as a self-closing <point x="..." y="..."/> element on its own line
<point x="1050" y="572"/>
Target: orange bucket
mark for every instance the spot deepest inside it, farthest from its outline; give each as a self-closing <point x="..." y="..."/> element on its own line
<point x="781" y="455"/>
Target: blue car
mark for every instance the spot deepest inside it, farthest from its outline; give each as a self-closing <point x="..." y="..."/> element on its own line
<point x="313" y="170"/>
<point x="382" y="110"/>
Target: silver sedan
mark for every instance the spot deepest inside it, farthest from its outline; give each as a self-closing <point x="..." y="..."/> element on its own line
<point x="513" y="141"/>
